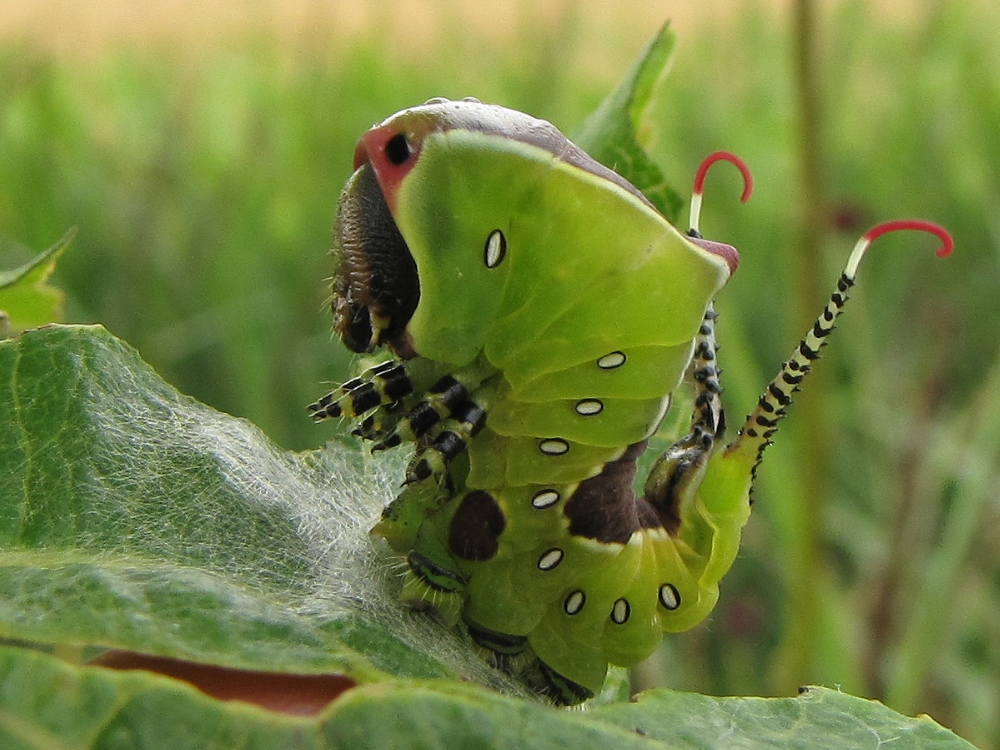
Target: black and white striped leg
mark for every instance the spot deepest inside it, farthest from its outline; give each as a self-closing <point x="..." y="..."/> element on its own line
<point x="384" y="384"/>
<point x="448" y="441"/>
<point x="441" y="402"/>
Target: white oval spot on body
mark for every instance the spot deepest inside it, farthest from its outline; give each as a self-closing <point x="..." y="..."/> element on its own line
<point x="611" y="361"/>
<point x="437" y="100"/>
<point x="574" y="602"/>
<point x="550" y="559"/>
<point x="545" y="499"/>
<point x="495" y="250"/>
<point x="670" y="598"/>
<point x="554" y="447"/>
<point x="588" y="407"/>
<point x="621" y="611"/>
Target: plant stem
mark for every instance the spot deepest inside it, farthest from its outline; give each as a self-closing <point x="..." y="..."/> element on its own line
<point x="796" y="665"/>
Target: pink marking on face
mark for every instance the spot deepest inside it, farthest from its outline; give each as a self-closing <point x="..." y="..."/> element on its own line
<point x="392" y="153"/>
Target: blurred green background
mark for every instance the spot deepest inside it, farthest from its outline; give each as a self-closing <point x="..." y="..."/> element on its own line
<point x="200" y="150"/>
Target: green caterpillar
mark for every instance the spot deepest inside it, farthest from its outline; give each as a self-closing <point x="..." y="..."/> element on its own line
<point x="539" y="312"/>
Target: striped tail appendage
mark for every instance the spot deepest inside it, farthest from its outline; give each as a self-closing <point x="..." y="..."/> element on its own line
<point x="709" y="492"/>
<point x="763" y="422"/>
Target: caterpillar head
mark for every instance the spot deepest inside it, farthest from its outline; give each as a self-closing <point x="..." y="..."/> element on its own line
<point x="422" y="228"/>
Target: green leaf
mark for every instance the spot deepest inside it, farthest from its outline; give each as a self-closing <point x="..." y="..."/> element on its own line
<point x="613" y="133"/>
<point x="133" y="517"/>
<point x="26" y="300"/>
<point x="46" y="703"/>
<point x="817" y="718"/>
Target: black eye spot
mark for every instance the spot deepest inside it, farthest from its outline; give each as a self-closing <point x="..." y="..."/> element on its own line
<point x="397" y="150"/>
